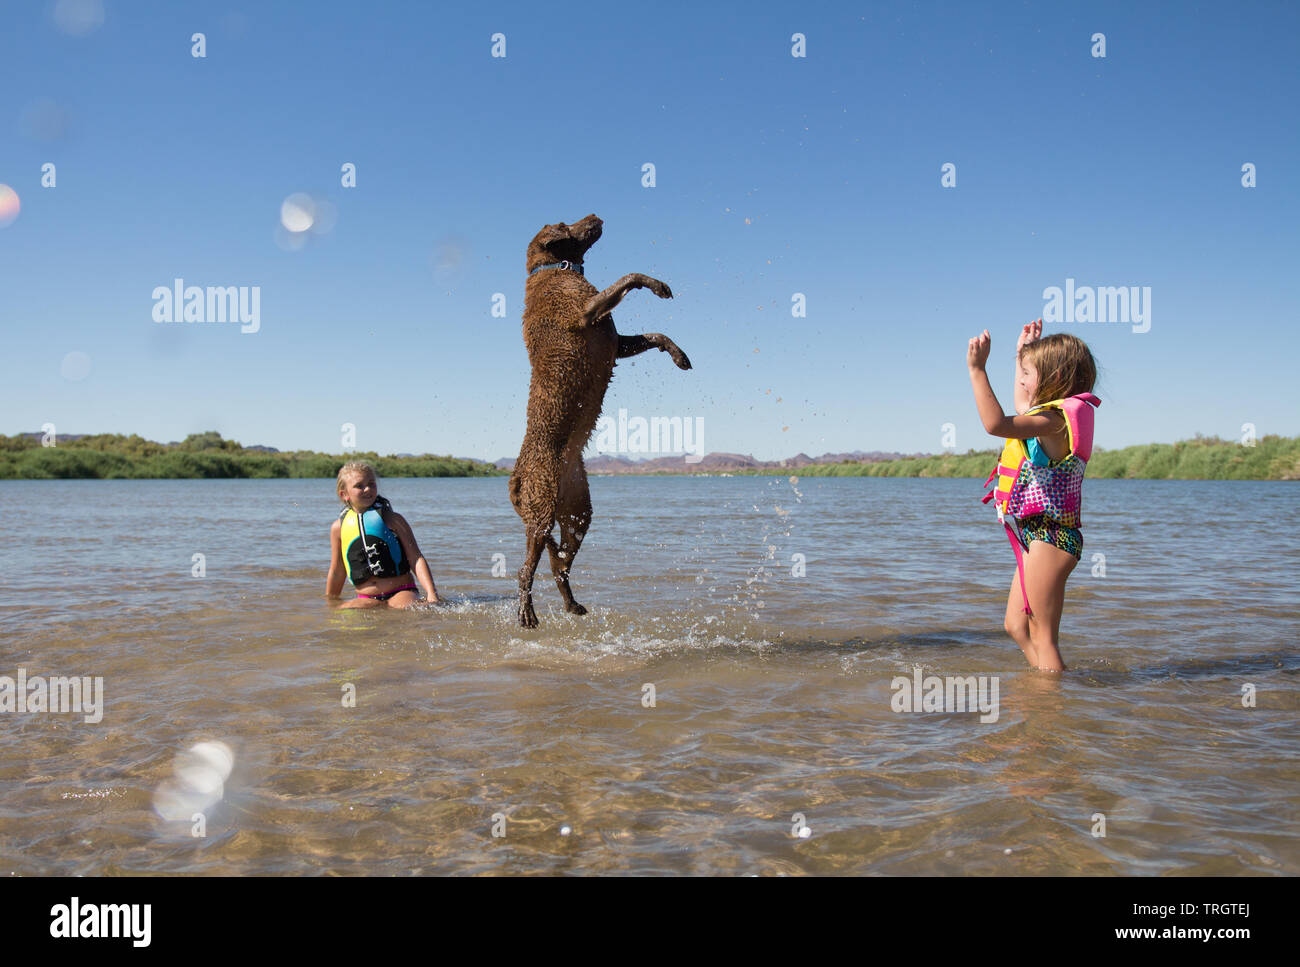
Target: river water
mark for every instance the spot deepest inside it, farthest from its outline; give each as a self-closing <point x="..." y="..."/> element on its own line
<point x="730" y="705"/>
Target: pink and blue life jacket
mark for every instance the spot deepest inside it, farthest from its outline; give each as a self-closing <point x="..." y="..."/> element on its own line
<point x="1029" y="488"/>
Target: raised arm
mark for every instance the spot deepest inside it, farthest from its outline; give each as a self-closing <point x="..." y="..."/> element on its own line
<point x="1030" y="333"/>
<point x="995" y="421"/>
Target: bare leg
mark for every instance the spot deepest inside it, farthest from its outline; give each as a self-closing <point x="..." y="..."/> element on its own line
<point x="603" y="302"/>
<point x="403" y="599"/>
<point x="1016" y="622"/>
<point x="635" y="345"/>
<point x="1046" y="570"/>
<point x="361" y="603"/>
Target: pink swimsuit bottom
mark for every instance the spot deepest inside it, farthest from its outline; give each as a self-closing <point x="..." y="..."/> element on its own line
<point x="387" y="594"/>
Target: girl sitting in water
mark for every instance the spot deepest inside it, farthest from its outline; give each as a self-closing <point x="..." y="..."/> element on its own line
<point x="373" y="545"/>
<point x="1040" y="476"/>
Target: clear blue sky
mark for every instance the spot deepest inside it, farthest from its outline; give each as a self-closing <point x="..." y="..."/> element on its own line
<point x="775" y="175"/>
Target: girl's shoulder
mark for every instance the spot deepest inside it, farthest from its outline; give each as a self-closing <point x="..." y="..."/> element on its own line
<point x="387" y="512"/>
<point x="1051" y="412"/>
<point x="1051" y="408"/>
<point x="1056" y="437"/>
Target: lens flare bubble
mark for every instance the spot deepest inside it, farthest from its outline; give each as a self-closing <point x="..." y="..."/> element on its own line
<point x="325" y="217"/>
<point x="77" y="18"/>
<point x="298" y="212"/>
<point x="304" y="216"/>
<point x="203" y="781"/>
<point x="75" y="367"/>
<point x="290" y="241"/>
<point x="198" y="781"/>
<point x="44" y="119"/>
<point x="215" y="755"/>
<point x="9" y="205"/>
<point x="450" y="255"/>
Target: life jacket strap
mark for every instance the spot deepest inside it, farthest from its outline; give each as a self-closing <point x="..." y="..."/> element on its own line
<point x="992" y="476"/>
<point x="1020" y="564"/>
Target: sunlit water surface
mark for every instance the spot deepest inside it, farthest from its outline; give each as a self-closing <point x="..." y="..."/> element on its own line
<point x="769" y="616"/>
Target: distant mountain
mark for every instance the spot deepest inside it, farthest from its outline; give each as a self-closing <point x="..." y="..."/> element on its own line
<point x="607" y="465"/>
<point x="62" y="436"/>
<point x="68" y="437"/>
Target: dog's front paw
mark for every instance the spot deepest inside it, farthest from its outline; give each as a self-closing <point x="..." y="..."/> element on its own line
<point x="680" y="358"/>
<point x="574" y="608"/>
<point x="659" y="288"/>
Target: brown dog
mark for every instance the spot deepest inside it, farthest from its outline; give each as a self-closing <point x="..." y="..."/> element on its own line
<point x="572" y="346"/>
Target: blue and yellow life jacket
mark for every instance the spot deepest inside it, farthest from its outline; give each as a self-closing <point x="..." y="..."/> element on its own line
<point x="370" y="548"/>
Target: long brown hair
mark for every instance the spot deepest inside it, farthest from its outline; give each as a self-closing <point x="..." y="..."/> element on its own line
<point x="1065" y="366"/>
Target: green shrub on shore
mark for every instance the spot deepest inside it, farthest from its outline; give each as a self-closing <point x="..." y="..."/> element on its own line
<point x="55" y="463"/>
<point x="111" y="456"/>
<point x="974" y="463"/>
<point x="1202" y="458"/>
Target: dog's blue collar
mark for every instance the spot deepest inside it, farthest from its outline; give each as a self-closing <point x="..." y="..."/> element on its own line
<point x="566" y="264"/>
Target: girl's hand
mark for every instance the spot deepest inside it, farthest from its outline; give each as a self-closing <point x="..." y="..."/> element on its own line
<point x="977" y="352"/>
<point x="1031" y="333"/>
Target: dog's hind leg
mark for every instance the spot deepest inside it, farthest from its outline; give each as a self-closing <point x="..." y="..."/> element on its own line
<point x="573" y="514"/>
<point x="534" y="486"/>
<point x="535" y="539"/>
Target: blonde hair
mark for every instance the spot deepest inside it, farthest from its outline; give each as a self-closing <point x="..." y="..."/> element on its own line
<point x="1065" y="366"/>
<point x="353" y="469"/>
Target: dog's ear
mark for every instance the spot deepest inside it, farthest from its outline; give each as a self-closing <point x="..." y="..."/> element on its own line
<point x="558" y="232"/>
